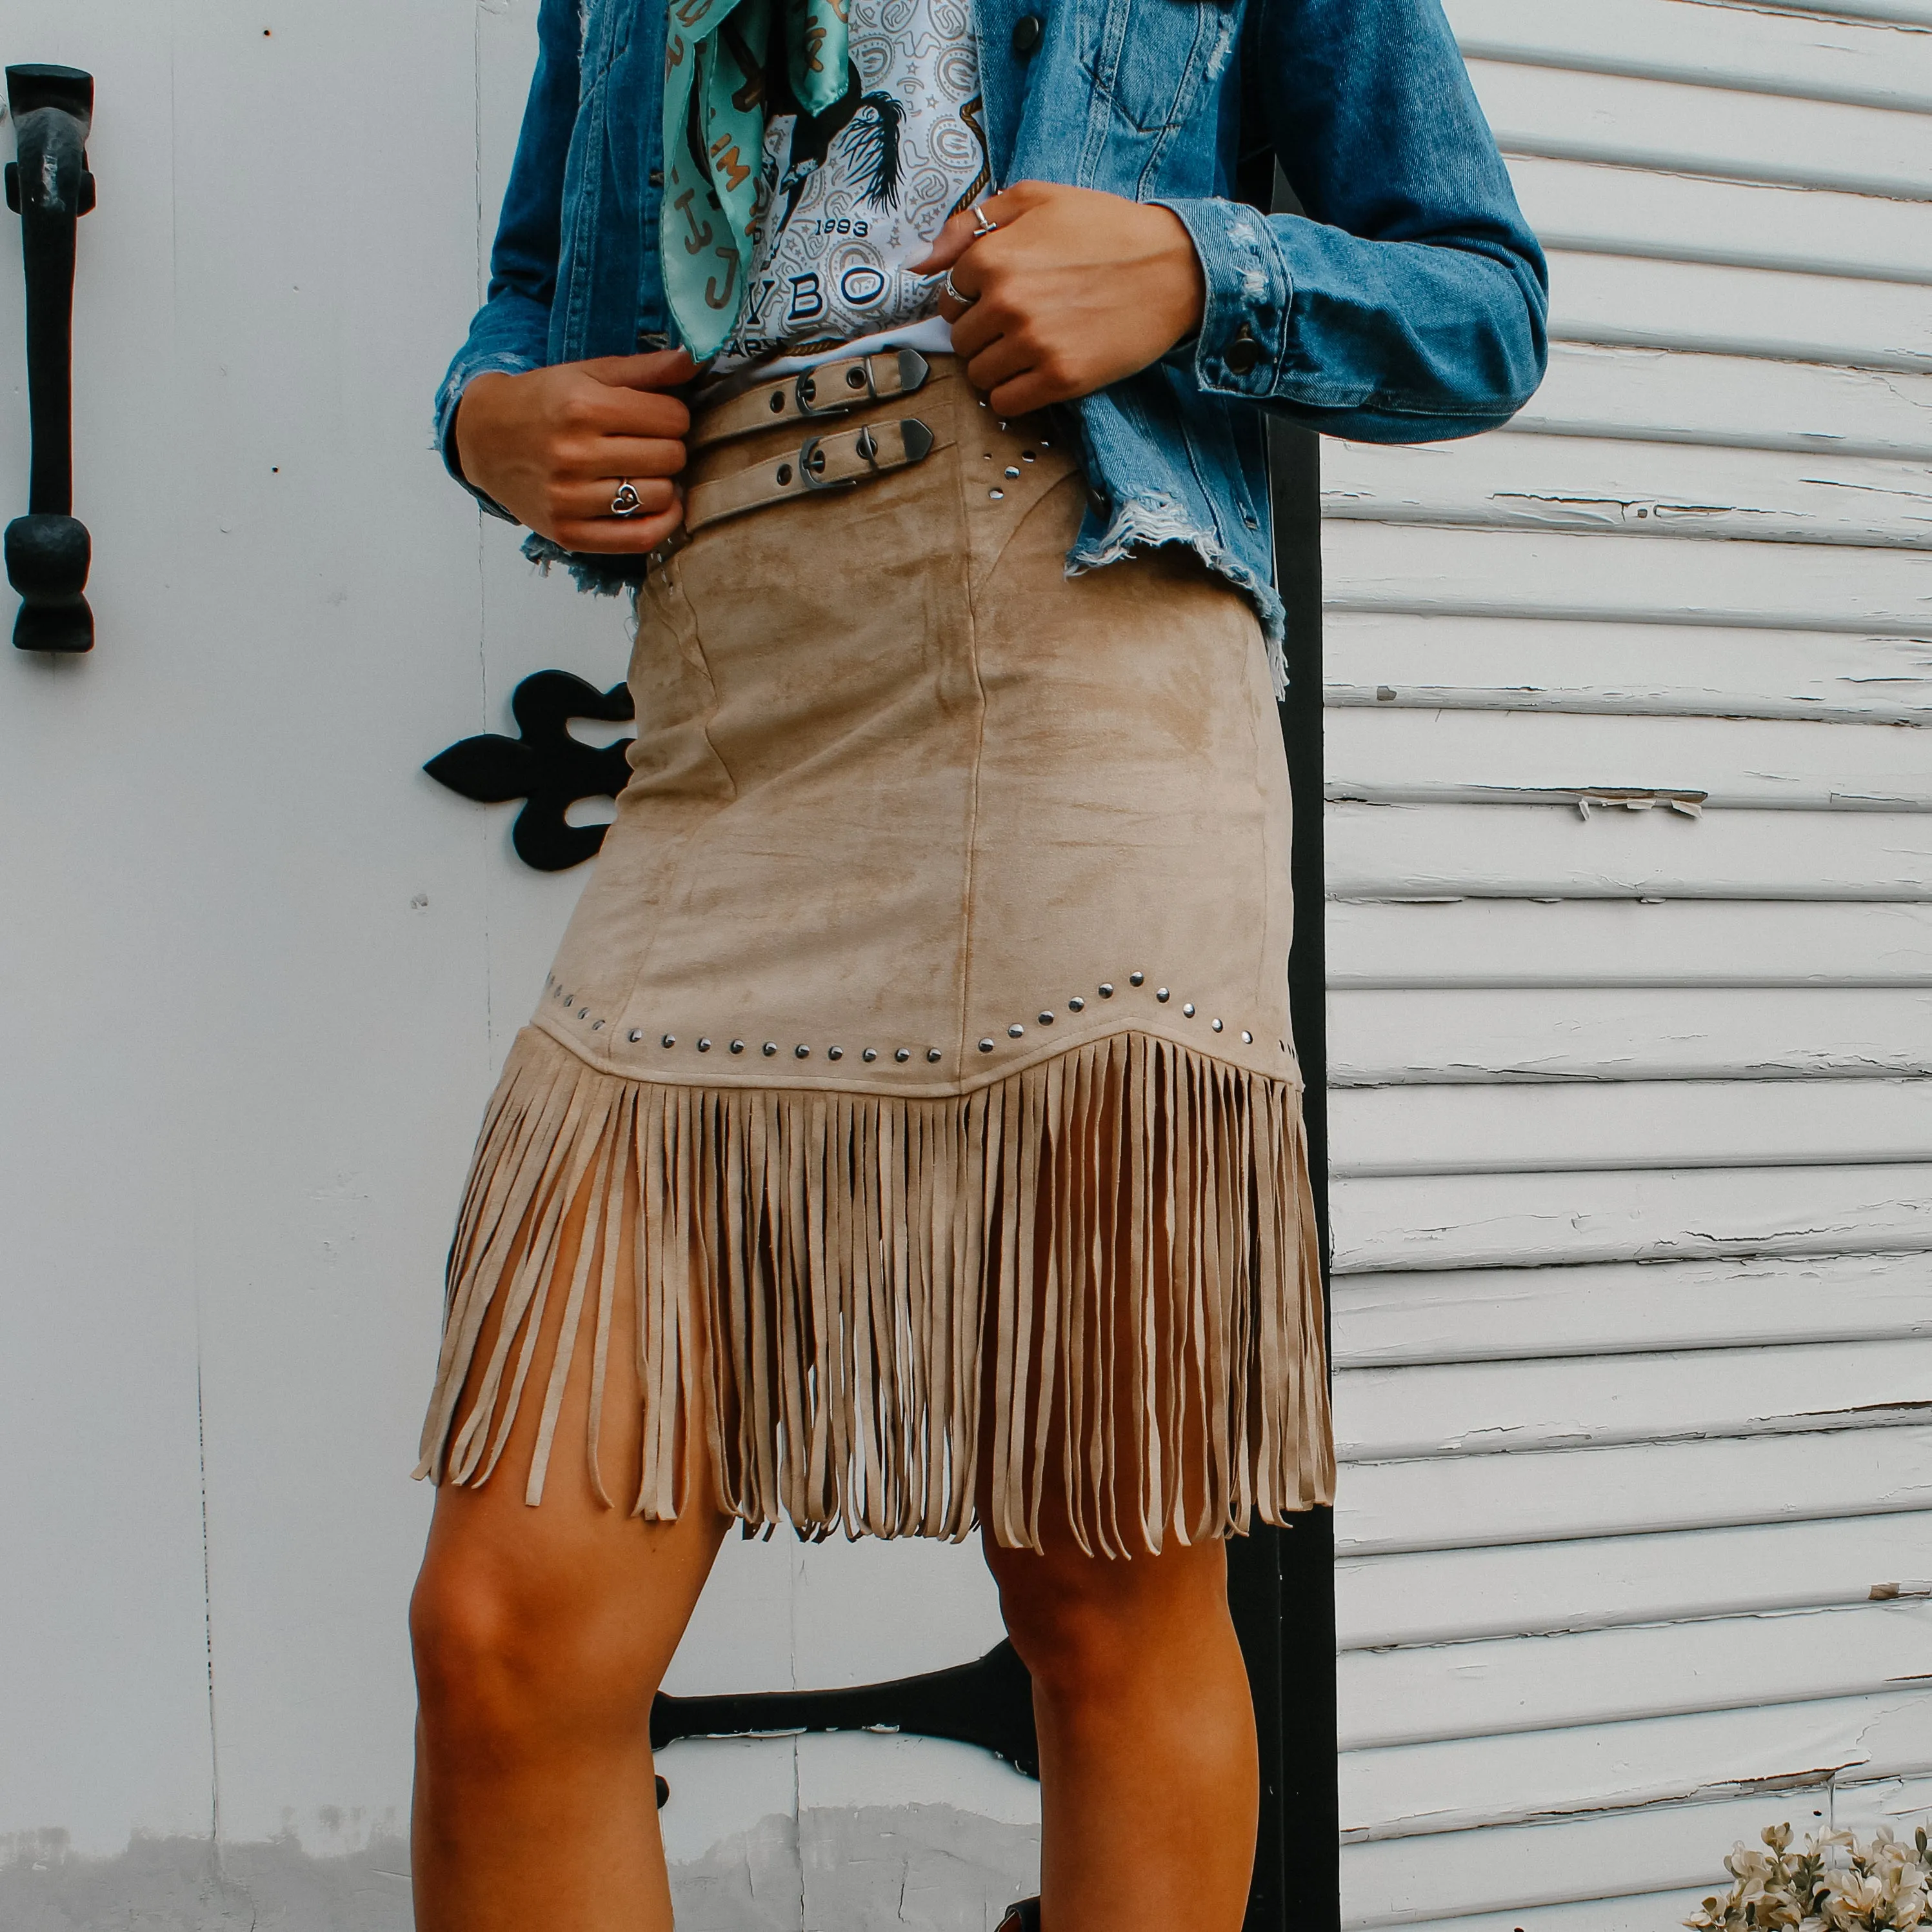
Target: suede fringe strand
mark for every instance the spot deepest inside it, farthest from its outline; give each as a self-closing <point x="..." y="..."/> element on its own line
<point x="1116" y="1249"/>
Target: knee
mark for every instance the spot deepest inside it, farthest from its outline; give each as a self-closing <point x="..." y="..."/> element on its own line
<point x="503" y="1664"/>
<point x="1088" y="1627"/>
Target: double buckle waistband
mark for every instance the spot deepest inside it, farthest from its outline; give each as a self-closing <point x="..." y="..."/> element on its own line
<point x="825" y="459"/>
<point x="830" y="389"/>
<point x="822" y="462"/>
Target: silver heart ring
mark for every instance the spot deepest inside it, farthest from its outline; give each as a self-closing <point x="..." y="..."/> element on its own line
<point x="627" y="502"/>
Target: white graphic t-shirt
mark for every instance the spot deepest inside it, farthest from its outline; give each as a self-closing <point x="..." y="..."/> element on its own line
<point x="846" y="198"/>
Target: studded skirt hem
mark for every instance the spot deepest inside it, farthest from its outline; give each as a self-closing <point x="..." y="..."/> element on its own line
<point x="921" y="1039"/>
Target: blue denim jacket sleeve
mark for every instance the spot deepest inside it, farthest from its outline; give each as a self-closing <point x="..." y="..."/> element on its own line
<point x="511" y="331"/>
<point x="1411" y="303"/>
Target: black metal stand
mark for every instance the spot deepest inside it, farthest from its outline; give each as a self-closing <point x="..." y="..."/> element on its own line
<point x="49" y="186"/>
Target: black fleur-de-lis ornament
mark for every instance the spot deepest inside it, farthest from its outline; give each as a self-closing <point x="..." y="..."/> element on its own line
<point x="544" y="766"/>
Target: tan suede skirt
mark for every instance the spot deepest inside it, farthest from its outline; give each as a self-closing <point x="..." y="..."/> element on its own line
<point x="927" y="1009"/>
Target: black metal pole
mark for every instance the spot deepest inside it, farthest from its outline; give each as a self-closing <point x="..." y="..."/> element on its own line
<point x="1282" y="1582"/>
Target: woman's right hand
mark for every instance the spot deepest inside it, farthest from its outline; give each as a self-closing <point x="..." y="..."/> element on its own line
<point x="554" y="446"/>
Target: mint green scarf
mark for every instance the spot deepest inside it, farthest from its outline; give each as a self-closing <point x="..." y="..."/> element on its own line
<point x="714" y="138"/>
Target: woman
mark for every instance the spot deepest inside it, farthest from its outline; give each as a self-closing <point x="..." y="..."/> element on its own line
<point x="907" y="1138"/>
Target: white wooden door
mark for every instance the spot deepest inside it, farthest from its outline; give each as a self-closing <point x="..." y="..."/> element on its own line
<point x="256" y="972"/>
<point x="1632" y="1123"/>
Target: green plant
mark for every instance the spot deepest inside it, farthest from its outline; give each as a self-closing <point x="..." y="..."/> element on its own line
<point x="1836" y="1884"/>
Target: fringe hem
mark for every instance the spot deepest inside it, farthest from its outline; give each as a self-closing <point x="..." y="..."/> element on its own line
<point x="1115" y="1249"/>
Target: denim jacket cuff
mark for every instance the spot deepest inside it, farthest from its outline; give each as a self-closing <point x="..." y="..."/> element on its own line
<point x="462" y="373"/>
<point x="1238" y="349"/>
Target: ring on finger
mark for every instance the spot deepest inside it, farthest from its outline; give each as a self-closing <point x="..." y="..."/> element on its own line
<point x="627" y="502"/>
<point x="983" y="223"/>
<point x="952" y="288"/>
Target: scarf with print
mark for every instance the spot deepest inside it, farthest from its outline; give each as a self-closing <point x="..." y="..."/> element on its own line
<point x="714" y="141"/>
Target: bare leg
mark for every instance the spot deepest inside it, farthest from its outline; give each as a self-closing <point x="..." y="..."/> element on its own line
<point x="540" y="1636"/>
<point x="1149" y="1776"/>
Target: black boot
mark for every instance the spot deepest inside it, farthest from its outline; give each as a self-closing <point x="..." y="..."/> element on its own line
<point x="1022" y="1915"/>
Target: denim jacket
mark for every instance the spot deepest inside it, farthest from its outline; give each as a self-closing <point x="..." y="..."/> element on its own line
<point x="1407" y="305"/>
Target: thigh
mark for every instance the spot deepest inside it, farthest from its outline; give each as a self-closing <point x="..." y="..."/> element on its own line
<point x="579" y="1570"/>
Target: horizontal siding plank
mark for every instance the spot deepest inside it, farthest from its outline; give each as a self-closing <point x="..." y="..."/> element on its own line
<point x="1628" y="302"/>
<point x="1577" y="1875"/>
<point x="1550" y="851"/>
<point x="1377" y="660"/>
<point x="1525" y="1220"/>
<point x="1475" y="1502"/>
<point x="1646" y="1911"/>
<point x="1621" y="577"/>
<point x="1506" y="481"/>
<point x="1462" y="1596"/>
<point x="1430" y="1695"/>
<point x="1799" y="55"/>
<point x="1409" y="753"/>
<point x="1626" y="1307"/>
<point x="1531" y="1128"/>
<point x="1415" y="1038"/>
<point x="1622" y="943"/>
<point x="1690" y="130"/>
<point x="1491" y="1409"/>
<point x="1413" y="1789"/>
<point x="1728" y="401"/>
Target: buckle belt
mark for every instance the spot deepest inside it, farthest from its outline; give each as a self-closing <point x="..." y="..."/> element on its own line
<point x="831" y="389"/>
<point x="825" y="461"/>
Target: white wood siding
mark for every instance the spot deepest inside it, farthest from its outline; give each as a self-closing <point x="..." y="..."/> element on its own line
<point x="1630" y="948"/>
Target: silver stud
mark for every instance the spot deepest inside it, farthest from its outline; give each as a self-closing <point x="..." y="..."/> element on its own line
<point x="1016" y="1031"/>
<point x="986" y="1046"/>
<point x="835" y="1053"/>
<point x="1046" y="1019"/>
<point x="871" y="1053"/>
<point x="1219" y="1028"/>
<point x="637" y="1034"/>
<point x="1076" y="1005"/>
<point x="1160" y="994"/>
<point x="997" y="496"/>
<point x="583" y="1012"/>
<point x="982" y="402"/>
<point x="1137" y="979"/>
<point x="802" y="1052"/>
<point x="671" y="1039"/>
<point x="1027" y="456"/>
<point x="1187" y="1011"/>
<point x="704" y="1046"/>
<point x="1013" y="470"/>
<point x="737" y="1046"/>
<point x="903" y="1054"/>
<point x="1046" y="442"/>
<point x="1247" y="1038"/>
<point x="1000" y="426"/>
<point x="933" y="1054"/>
<point x="1106" y="989"/>
<point x="596" y="1026"/>
<point x="771" y="1046"/>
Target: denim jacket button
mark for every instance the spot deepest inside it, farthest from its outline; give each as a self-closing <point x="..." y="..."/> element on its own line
<point x="1029" y="30"/>
<point x="1244" y="354"/>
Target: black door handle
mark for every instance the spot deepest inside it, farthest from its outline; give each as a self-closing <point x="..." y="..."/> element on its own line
<point x="49" y="188"/>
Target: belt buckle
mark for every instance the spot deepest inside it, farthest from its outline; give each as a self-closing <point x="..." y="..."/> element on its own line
<point x="809" y="452"/>
<point x="804" y="392"/>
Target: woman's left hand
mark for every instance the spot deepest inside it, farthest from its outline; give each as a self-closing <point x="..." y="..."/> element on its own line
<point x="1074" y="290"/>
